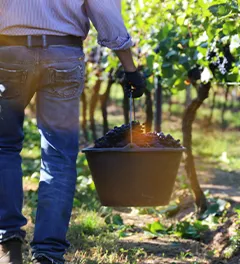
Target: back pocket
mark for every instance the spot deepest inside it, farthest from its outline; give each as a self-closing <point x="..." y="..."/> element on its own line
<point x="66" y="83"/>
<point x="11" y="82"/>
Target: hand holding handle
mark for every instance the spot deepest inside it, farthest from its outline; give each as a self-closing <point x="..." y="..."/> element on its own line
<point x="134" y="84"/>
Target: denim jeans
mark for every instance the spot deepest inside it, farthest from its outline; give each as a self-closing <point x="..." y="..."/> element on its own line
<point x="56" y="75"/>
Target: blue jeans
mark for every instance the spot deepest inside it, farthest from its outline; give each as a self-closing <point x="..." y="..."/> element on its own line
<point x="56" y="75"/>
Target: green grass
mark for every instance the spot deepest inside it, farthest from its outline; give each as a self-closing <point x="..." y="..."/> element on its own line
<point x="222" y="147"/>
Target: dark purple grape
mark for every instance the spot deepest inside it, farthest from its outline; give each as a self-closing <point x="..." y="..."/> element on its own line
<point x="194" y="74"/>
<point x="210" y="55"/>
<point x="219" y="63"/>
<point x="120" y="136"/>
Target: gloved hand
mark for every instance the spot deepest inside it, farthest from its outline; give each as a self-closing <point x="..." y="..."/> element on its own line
<point x="134" y="83"/>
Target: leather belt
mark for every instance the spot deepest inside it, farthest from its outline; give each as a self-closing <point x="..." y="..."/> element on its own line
<point x="32" y="41"/>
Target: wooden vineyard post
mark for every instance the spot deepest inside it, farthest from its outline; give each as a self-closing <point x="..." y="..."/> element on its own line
<point x="104" y="101"/>
<point x="93" y="104"/>
<point x="149" y="111"/>
<point x="158" y="104"/>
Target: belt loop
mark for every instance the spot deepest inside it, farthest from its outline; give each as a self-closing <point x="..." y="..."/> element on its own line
<point x="44" y="40"/>
<point x="29" y="41"/>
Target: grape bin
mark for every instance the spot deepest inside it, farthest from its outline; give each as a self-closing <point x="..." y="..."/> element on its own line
<point x="134" y="176"/>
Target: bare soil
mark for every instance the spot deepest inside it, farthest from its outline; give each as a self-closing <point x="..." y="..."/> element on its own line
<point x="170" y="250"/>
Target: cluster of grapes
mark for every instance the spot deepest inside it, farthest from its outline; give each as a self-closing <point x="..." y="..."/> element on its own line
<point x="221" y="63"/>
<point x="194" y="74"/>
<point x="162" y="141"/>
<point x="210" y="54"/>
<point x="120" y="137"/>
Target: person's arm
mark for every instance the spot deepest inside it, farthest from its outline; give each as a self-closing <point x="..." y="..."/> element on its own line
<point x="112" y="33"/>
<point x="107" y="19"/>
<point x="126" y="58"/>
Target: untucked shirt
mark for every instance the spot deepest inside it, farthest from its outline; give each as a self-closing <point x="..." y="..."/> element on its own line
<point x="66" y="17"/>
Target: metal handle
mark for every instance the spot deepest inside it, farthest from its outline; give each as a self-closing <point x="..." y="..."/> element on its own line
<point x="132" y="115"/>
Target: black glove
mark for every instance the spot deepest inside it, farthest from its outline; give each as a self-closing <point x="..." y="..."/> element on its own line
<point x="134" y="84"/>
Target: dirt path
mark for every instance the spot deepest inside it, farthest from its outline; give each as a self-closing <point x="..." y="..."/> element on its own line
<point x="168" y="250"/>
<point x="222" y="183"/>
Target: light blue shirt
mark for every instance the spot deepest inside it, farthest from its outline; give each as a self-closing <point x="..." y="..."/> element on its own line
<point x="66" y="17"/>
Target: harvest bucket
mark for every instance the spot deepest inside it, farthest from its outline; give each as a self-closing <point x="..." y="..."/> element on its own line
<point x="134" y="176"/>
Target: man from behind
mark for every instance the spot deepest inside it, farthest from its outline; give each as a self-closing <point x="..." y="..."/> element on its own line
<point x="41" y="53"/>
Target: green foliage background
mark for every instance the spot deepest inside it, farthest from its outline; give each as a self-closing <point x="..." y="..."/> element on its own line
<point x="182" y="32"/>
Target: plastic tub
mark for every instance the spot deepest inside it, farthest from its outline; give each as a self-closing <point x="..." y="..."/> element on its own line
<point x="134" y="176"/>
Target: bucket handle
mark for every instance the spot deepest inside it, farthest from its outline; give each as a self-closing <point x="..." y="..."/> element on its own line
<point x="131" y="117"/>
